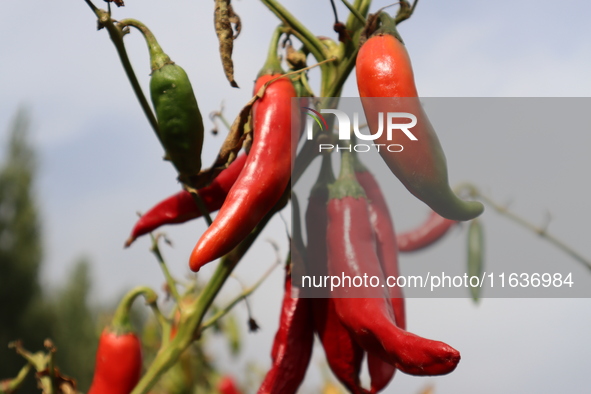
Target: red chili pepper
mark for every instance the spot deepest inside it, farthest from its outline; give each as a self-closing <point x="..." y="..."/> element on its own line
<point x="181" y="207"/>
<point x="267" y="170"/>
<point x="352" y="252"/>
<point x="386" y="239"/>
<point x="343" y="354"/>
<point x="380" y="372"/>
<point x="292" y="346"/>
<point x="118" y="365"/>
<point x="432" y="230"/>
<point x="384" y="70"/>
<point x="227" y="386"/>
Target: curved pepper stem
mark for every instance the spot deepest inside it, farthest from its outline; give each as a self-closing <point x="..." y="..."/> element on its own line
<point x="346" y="185"/>
<point x="272" y="64"/>
<point x="388" y="26"/>
<point x="121" y="323"/>
<point x="158" y="58"/>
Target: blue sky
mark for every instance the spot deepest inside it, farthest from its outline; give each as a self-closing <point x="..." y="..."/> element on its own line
<point x="100" y="162"/>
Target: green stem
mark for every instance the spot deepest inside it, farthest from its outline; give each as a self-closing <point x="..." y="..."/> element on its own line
<point x="350" y="49"/>
<point x="121" y="320"/>
<point x="221" y="117"/>
<point x="541" y="231"/>
<point x="354" y="12"/>
<point x="245" y="293"/>
<point x="51" y="367"/>
<point x="272" y="64"/>
<point x="116" y="36"/>
<point x="170" y="281"/>
<point x="158" y="58"/>
<point x="12" y="385"/>
<point x="342" y="74"/>
<point x="201" y="205"/>
<point x="353" y="21"/>
<point x="346" y="185"/>
<point x="299" y="30"/>
<point x="347" y="164"/>
<point x="310" y="41"/>
<point x="190" y="327"/>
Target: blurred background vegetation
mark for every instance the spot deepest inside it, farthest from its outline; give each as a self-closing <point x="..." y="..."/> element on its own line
<point x="29" y="312"/>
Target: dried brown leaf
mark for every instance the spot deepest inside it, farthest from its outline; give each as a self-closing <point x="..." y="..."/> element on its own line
<point x="240" y="128"/>
<point x="224" y="17"/>
<point x="118" y="3"/>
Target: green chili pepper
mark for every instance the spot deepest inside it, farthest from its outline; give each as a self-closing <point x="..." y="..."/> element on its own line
<point x="179" y="120"/>
<point x="475" y="255"/>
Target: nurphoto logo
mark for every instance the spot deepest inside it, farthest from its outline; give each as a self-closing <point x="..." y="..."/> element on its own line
<point x="393" y="122"/>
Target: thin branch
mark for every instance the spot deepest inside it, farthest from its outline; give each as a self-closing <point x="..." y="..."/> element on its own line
<point x="541" y="231"/>
<point x="116" y="35"/>
<point x="170" y="281"/>
<point x="242" y="296"/>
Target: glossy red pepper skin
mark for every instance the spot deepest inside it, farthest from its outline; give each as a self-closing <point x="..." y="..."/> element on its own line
<point x="384" y="70"/>
<point x="432" y="230"/>
<point x="118" y="365"/>
<point x="386" y="240"/>
<point x="264" y="177"/>
<point x="351" y="251"/>
<point x="380" y="372"/>
<point x="292" y="346"/>
<point x="181" y="207"/>
<point x="343" y="355"/>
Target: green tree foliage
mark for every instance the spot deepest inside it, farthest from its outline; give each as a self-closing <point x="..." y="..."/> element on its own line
<point x="24" y="313"/>
<point x="75" y="332"/>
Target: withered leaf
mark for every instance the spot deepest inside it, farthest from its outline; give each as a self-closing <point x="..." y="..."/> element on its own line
<point x="232" y="144"/>
<point x="224" y="17"/>
<point x="370" y="26"/>
<point x="118" y="3"/>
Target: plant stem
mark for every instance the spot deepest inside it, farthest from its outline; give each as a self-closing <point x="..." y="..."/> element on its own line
<point x="354" y="12"/>
<point x="121" y="319"/>
<point x="310" y="41"/>
<point x="541" y="231"/>
<point x="362" y="7"/>
<point x="170" y="281"/>
<point x="299" y="30"/>
<point x="12" y="385"/>
<point x="245" y="293"/>
<point x="116" y="36"/>
<point x="200" y="204"/>
<point x="192" y="315"/>
<point x="221" y="117"/>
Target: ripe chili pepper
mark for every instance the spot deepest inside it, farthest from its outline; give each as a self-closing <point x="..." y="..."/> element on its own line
<point x="266" y="172"/>
<point x="118" y="365"/>
<point x="181" y="207"/>
<point x="227" y="386"/>
<point x="384" y="70"/>
<point x="381" y="373"/>
<point x="352" y="252"/>
<point x="180" y="126"/>
<point x="386" y="239"/>
<point x="293" y="342"/>
<point x="433" y="229"/>
<point x="343" y="354"/>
